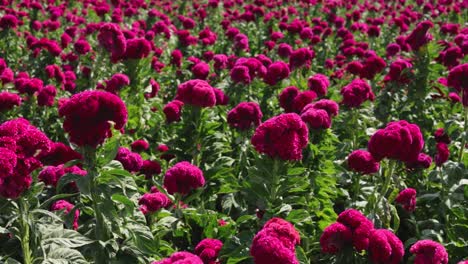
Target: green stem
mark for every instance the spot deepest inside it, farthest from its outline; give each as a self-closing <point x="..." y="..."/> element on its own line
<point x="356" y="188"/>
<point x="275" y="182"/>
<point x="462" y="147"/>
<point x="25" y="232"/>
<point x="387" y="177"/>
<point x="100" y="230"/>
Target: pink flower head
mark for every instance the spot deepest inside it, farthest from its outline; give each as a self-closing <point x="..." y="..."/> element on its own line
<point x="112" y="39"/>
<point x="335" y="237"/>
<point x="276" y="72"/>
<point x="59" y="154"/>
<point x="201" y="70"/>
<point x="428" y="251"/>
<point x="150" y="168"/>
<point x="8" y="101"/>
<point x="196" y="92"/>
<point x="407" y="198"/>
<point x="117" y="82"/>
<point x="400" y="140"/>
<point x="420" y="36"/>
<point x="457" y="77"/>
<point x="316" y="118"/>
<point x="301" y="57"/>
<point x="318" y="83"/>
<point x="153" y="201"/>
<point x="245" y="115"/>
<point x="442" y="155"/>
<point x="52" y="174"/>
<point x="208" y="250"/>
<point x="182" y="178"/>
<point x="360" y="227"/>
<point x="356" y="93"/>
<point x="173" y="111"/>
<point x="181" y="257"/>
<point x="441" y="136"/>
<point x="64" y="205"/>
<point x="137" y="48"/>
<point x="46" y="96"/>
<point x="330" y="106"/>
<point x="362" y="162"/>
<point x="82" y="46"/>
<point x="385" y="247"/>
<point x="8" y="162"/>
<point x="140" y="145"/>
<point x="399" y="71"/>
<point x="131" y="161"/>
<point x="87" y="115"/>
<point x="283" y="136"/>
<point x="423" y="161"/>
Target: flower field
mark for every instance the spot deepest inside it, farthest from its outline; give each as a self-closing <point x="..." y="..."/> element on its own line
<point x="234" y="131"/>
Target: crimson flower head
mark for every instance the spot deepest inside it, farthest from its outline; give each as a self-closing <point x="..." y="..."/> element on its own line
<point x="153" y="201"/>
<point x="356" y="93"/>
<point x="181" y="257"/>
<point x="385" y="247"/>
<point x="420" y="36"/>
<point x="88" y="115"/>
<point x="407" y="198"/>
<point x="8" y="101"/>
<point x="428" y="251"/>
<point x="245" y="115"/>
<point x="131" y="161"/>
<point x="208" y="250"/>
<point x="283" y="136"/>
<point x="400" y="140"/>
<point x="275" y="243"/>
<point x="276" y="72"/>
<point x="318" y="83"/>
<point x="360" y="227"/>
<point x="196" y="92"/>
<point x="67" y="207"/>
<point x="362" y="162"/>
<point x="335" y="237"/>
<point x="457" y="77"/>
<point x="110" y="37"/>
<point x="173" y="111"/>
<point x="183" y="177"/>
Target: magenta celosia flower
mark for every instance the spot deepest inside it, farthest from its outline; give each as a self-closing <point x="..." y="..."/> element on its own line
<point x="407" y="198"/>
<point x="385" y="247"/>
<point x="284" y="50"/>
<point x="399" y="140"/>
<point x="330" y="106"/>
<point x="360" y="227"/>
<point x="441" y="136"/>
<point x="239" y="74"/>
<point x="112" y="39"/>
<point x="65" y="205"/>
<point x="137" y="48"/>
<point x="318" y="83"/>
<point x="117" y="82"/>
<point x="87" y="116"/>
<point x="316" y="118"/>
<point x="428" y="251"/>
<point x="153" y="201"/>
<point x="457" y="77"/>
<point x="140" y="145"/>
<point x="419" y="36"/>
<point x="301" y="57"/>
<point x="276" y="72"/>
<point x="208" y="250"/>
<point x="196" y="92"/>
<point x="52" y="174"/>
<point x="82" y="46"/>
<point x="181" y="257"/>
<point x="59" y="154"/>
<point x="423" y="161"/>
<point x="283" y="136"/>
<point x="28" y="85"/>
<point x="8" y="21"/>
<point x="286" y="98"/>
<point x="182" y="178"/>
<point x="400" y="71"/>
<point x="356" y="93"/>
<point x="150" y="168"/>
<point x="131" y="161"/>
<point x="362" y="162"/>
<point x="8" y="101"/>
<point x="201" y="70"/>
<point x="267" y="249"/>
<point x="245" y="115"/>
<point x="8" y="161"/>
<point x="46" y="96"/>
<point x="173" y="111"/>
<point x="371" y="67"/>
<point x="335" y="237"/>
<point x="442" y="155"/>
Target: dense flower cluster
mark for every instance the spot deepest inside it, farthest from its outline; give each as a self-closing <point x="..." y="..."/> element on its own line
<point x="275" y="243"/>
<point x="283" y="136"/>
<point x="182" y="178"/>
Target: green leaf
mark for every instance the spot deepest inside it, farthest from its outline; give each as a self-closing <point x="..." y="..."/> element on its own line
<point x="66" y="238"/>
<point x="109" y="150"/>
<point x="46" y="204"/>
<point x="59" y="255"/>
